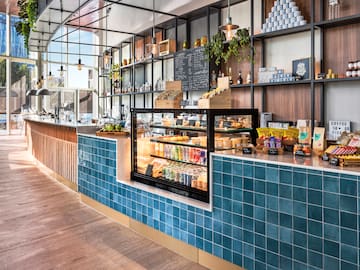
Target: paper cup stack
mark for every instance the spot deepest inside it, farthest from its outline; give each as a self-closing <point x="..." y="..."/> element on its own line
<point x="284" y="14"/>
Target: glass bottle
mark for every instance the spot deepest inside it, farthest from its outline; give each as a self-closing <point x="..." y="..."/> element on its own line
<point x="240" y="79"/>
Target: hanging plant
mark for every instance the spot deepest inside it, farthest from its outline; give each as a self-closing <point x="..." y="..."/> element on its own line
<point x="115" y="72"/>
<point x="27" y="14"/>
<point x="239" y="47"/>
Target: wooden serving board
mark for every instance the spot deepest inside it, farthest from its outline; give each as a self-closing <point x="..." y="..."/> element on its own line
<point x="112" y="133"/>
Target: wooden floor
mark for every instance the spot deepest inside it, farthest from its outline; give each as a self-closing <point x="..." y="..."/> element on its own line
<point x="43" y="225"/>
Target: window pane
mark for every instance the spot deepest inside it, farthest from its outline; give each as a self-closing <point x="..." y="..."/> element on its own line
<point x="17" y="41"/>
<point x="2" y="34"/>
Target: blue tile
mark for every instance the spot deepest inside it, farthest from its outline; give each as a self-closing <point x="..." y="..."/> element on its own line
<point x="236" y="233"/>
<point x="300" y="224"/>
<point x="300" y="239"/>
<point x="286" y="206"/>
<point x="285" y="263"/>
<point x="331" y="248"/>
<point x="248" y="263"/>
<point x="272" y="231"/>
<point x="272" y="189"/>
<point x="349" y="237"/>
<point x="272" y="245"/>
<point x="248" y="197"/>
<point x="237" y="207"/>
<point x="315" y="243"/>
<point x="237" y="194"/>
<point x="331" y="184"/>
<point x="248" y="170"/>
<point x="207" y="246"/>
<point x="315" y="197"/>
<point x="259" y="186"/>
<point x="249" y="250"/>
<point x="272" y="217"/>
<point x="260" y="227"/>
<point x="272" y="259"/>
<point x="315" y="259"/>
<point x="286" y="235"/>
<point x="237" y="246"/>
<point x="272" y="175"/>
<point x="260" y="241"/>
<point x="218" y="251"/>
<point x="285" y="191"/>
<point x="248" y="210"/>
<point x="331" y="232"/>
<point x="348" y="203"/>
<point x="227" y="167"/>
<point x="299" y="194"/>
<point x="272" y="202"/>
<point x="218" y="165"/>
<point x="260" y="200"/>
<point x="260" y="265"/>
<point x="227" y="192"/>
<point x="299" y="266"/>
<point x="331" y="200"/>
<point x="237" y="169"/>
<point x="348" y="266"/>
<point x="348" y="187"/>
<point x="259" y="213"/>
<point x="331" y="216"/>
<point x="227" y="242"/>
<point x="299" y="179"/>
<point x="237" y="259"/>
<point x="248" y="223"/>
<point x="348" y="220"/>
<point x="285" y="220"/>
<point x="300" y="254"/>
<point x="331" y="263"/>
<point x="349" y="254"/>
<point x="315" y="181"/>
<point x="315" y="212"/>
<point x="248" y="184"/>
<point x="248" y="237"/>
<point x="286" y="250"/>
<point x="227" y="180"/>
<point x="300" y="209"/>
<point x="285" y="177"/>
<point x="237" y="220"/>
<point x="237" y="182"/>
<point x="315" y="228"/>
<point x="259" y="172"/>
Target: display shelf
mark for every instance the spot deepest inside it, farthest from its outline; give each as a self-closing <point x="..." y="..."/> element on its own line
<point x="284" y="32"/>
<point x="178" y="143"/>
<point x="236" y="86"/>
<point x="339" y="21"/>
<point x="282" y="83"/>
<point x="185" y="128"/>
<point x="138" y="93"/>
<point x="172" y="186"/>
<point x="352" y="79"/>
<point x="232" y="130"/>
<point x="181" y="161"/>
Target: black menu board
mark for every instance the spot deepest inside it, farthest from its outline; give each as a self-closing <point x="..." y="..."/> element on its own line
<point x="192" y="69"/>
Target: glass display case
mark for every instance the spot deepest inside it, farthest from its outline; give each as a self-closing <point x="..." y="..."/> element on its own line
<point x="171" y="147"/>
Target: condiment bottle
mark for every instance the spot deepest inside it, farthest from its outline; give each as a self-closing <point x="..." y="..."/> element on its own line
<point x="240" y="79"/>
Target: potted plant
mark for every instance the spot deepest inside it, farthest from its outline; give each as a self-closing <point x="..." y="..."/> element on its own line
<point x="239" y="47"/>
<point x="27" y="14"/>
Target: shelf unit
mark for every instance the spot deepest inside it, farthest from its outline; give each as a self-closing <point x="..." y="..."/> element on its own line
<point x="315" y="89"/>
<point x="145" y="145"/>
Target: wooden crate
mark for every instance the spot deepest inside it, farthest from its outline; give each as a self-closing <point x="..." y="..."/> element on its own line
<point x="221" y="101"/>
<point x="166" y="47"/>
<point x="173" y="86"/>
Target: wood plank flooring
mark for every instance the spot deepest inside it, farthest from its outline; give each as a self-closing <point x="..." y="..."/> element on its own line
<point x="43" y="225"/>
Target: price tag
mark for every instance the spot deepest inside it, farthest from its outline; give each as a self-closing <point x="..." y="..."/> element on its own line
<point x="334" y="162"/>
<point x="149" y="170"/>
<point x="273" y="151"/>
<point x="247" y="150"/>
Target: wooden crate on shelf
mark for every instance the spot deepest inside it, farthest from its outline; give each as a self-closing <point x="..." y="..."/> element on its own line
<point x="219" y="101"/>
<point x="172" y="96"/>
<point x="166" y="47"/>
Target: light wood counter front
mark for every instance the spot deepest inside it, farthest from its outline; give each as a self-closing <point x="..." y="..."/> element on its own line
<point x="55" y="149"/>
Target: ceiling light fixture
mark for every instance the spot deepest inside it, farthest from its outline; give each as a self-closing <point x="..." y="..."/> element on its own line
<point x="61" y="70"/>
<point x="49" y="77"/>
<point x="228" y="28"/>
<point x="153" y="47"/>
<point x="79" y="64"/>
<point x="107" y="55"/>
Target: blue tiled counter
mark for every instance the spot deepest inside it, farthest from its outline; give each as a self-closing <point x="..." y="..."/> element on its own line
<point x="264" y="215"/>
<point x="290" y="217"/>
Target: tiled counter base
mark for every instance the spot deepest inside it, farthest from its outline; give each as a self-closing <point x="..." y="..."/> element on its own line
<point x="286" y="217"/>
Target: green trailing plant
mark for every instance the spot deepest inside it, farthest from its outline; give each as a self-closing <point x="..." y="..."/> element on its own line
<point x="239" y="47"/>
<point x="115" y="72"/>
<point x="27" y="14"/>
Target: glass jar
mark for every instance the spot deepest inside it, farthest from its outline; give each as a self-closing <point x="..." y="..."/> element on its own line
<point x="348" y="73"/>
<point x="350" y="65"/>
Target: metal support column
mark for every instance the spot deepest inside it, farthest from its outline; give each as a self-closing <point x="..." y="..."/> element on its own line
<point x="8" y="72"/>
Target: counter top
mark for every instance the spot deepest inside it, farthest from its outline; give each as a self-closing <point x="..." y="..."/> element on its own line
<point x="80" y="127"/>
<point x="312" y="163"/>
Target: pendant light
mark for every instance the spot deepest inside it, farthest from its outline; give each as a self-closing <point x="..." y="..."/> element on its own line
<point x="61" y="70"/>
<point x="153" y="47"/>
<point x="49" y="77"/>
<point x="79" y="64"/>
<point x="228" y="28"/>
<point x="107" y="55"/>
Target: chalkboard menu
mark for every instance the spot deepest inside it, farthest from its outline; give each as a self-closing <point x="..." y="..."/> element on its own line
<point x="192" y="69"/>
